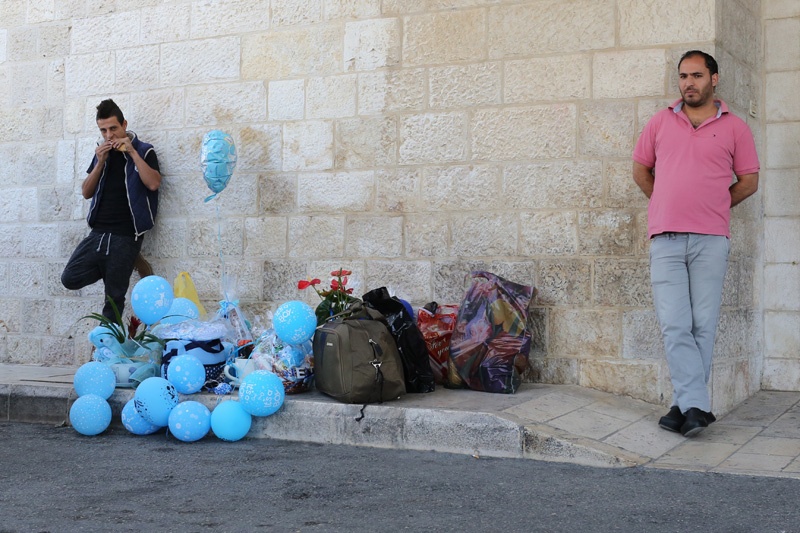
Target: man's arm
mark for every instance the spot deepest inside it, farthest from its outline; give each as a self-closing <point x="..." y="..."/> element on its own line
<point x="644" y="178"/>
<point x="150" y="177"/>
<point x="746" y="185"/>
<point x="91" y="180"/>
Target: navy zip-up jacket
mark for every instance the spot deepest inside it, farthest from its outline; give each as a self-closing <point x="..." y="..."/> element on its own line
<point x="142" y="202"/>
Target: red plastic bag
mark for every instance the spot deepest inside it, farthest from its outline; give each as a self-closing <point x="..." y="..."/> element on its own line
<point x="437" y="322"/>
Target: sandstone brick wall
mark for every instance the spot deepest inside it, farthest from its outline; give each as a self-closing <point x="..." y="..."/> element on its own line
<point x="411" y="141"/>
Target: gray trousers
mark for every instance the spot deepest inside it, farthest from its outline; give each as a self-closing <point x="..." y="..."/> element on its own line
<point x="687" y="271"/>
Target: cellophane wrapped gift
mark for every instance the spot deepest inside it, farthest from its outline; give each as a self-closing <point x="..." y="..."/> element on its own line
<point x="491" y="341"/>
<point x="294" y="364"/>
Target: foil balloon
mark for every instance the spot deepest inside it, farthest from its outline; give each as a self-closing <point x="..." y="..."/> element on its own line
<point x="218" y="158"/>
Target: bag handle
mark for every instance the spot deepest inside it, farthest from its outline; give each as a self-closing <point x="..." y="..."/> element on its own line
<point x="379" y="379"/>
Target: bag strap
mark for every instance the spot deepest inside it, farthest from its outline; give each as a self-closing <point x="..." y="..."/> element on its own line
<point x="379" y="379"/>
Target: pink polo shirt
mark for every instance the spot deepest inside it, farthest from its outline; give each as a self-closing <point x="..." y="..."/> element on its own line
<point x="694" y="169"/>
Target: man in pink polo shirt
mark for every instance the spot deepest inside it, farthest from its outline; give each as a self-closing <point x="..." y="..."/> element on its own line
<point x="684" y="161"/>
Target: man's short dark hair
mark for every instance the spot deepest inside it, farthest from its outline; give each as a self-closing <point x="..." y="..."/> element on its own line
<point x="711" y="63"/>
<point x="108" y="109"/>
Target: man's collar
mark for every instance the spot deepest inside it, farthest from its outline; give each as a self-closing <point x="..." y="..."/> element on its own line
<point x="722" y="107"/>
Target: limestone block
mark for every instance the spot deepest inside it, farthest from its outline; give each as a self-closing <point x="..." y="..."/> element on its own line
<point x="27" y="279"/>
<point x="783" y="145"/>
<point x="38" y="316"/>
<point x="40" y="12"/>
<point x="782" y="236"/>
<point x="23" y="349"/>
<point x="54" y="40"/>
<point x="781" y="374"/>
<point x="331" y="97"/>
<point x="28" y="84"/>
<point x="606" y="129"/>
<point x="22" y="44"/>
<point x="372" y="44"/>
<point x="97" y="34"/>
<point x="168" y="23"/>
<point x="444" y="37"/>
<point x="352" y="9"/>
<point x="730" y="385"/>
<point x="622" y="282"/>
<point x="781" y="9"/>
<point x="782" y="335"/>
<point x="552" y="370"/>
<point x="731" y="286"/>
<point x="307" y="145"/>
<point x="10" y="246"/>
<point x="620" y="189"/>
<point x="277" y="193"/>
<point x="641" y="245"/>
<point x="204" y="61"/>
<point x="15" y="205"/>
<point x="782" y="104"/>
<point x="645" y="71"/>
<point x="207" y="238"/>
<point x="60" y="351"/>
<point x="409" y="280"/>
<point x="226" y="103"/>
<point x="138" y="68"/>
<point x="459" y="188"/>
<point x="636" y="380"/>
<point x="248" y="280"/>
<point x="265" y="237"/>
<point x="374" y="236"/>
<point x="169" y="237"/>
<point x="561" y="28"/>
<point x="484" y="234"/>
<point x="180" y="153"/>
<point x="782" y="287"/>
<point x="781" y="188"/>
<point x="366" y="142"/>
<point x="390" y="91"/>
<point x="210" y="19"/>
<point x="13" y="13"/>
<point x="67" y="9"/>
<point x="605" y="232"/>
<point x="451" y="278"/>
<point x="535" y="132"/>
<point x="553" y="185"/>
<point x="736" y="29"/>
<point x="3" y="45"/>
<point x="55" y="203"/>
<point x="432" y="138"/>
<point x="426" y="235"/>
<point x="641" y="335"/>
<point x="398" y="189"/>
<point x="645" y="109"/>
<point x="157" y="109"/>
<point x="286" y="100"/>
<point x="315" y="237"/>
<point x="90" y="74"/>
<point x="53" y="285"/>
<point x="652" y="23"/>
<point x="584" y="333"/>
<point x="782" y="44"/>
<point x="733" y="332"/>
<point x="548" y="233"/>
<point x="12" y="318"/>
<point x="70" y="235"/>
<point x="336" y="193"/>
<point x="537" y="325"/>
<point x="295" y="12"/>
<point x="56" y="82"/>
<point x="258" y="148"/>
<point x="65" y="163"/>
<point x="565" y="282"/>
<point x="31" y="163"/>
<point x="315" y="51"/>
<point x="547" y="78"/>
<point x="473" y="85"/>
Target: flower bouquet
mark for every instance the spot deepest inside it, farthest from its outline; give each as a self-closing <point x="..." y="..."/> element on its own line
<point x="335" y="299"/>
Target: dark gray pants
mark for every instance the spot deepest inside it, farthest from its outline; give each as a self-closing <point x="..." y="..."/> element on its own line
<point x="107" y="257"/>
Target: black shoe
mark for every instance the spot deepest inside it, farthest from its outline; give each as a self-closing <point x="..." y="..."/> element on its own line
<point x="673" y="420"/>
<point x="696" y="421"/>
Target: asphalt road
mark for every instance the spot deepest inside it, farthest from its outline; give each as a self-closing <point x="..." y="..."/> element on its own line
<point x="53" y="479"/>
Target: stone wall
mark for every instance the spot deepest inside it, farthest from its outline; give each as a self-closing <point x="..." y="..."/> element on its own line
<point x="411" y="141"/>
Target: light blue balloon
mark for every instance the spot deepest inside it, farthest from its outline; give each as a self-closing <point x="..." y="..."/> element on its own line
<point x="134" y="422"/>
<point x="95" y="378"/>
<point x="190" y="421"/>
<point x="182" y="309"/>
<point x="294" y="322"/>
<point x="218" y="159"/>
<point x="187" y="373"/>
<point x="292" y="356"/>
<point x="154" y="399"/>
<point x="229" y="421"/>
<point x="261" y="393"/>
<point x="151" y="299"/>
<point x="90" y="415"/>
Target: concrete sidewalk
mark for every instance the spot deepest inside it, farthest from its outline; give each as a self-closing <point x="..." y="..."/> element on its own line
<point x="549" y="422"/>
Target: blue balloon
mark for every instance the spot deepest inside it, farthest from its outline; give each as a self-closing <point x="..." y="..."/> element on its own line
<point x="294" y="322"/>
<point x="292" y="356"/>
<point x="218" y="158"/>
<point x="134" y="422"/>
<point x="229" y="421"/>
<point x="154" y="399"/>
<point x="151" y="299"/>
<point x="190" y="421"/>
<point x="90" y="415"/>
<point x="182" y="309"/>
<point x="407" y="306"/>
<point x="261" y="393"/>
<point x="95" y="378"/>
<point x="187" y="373"/>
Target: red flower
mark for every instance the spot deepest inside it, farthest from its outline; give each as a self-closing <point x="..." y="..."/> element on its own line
<point x="334" y="285"/>
<point x="304" y="283"/>
<point x="341" y="272"/>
